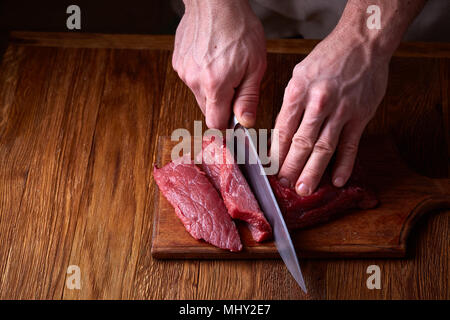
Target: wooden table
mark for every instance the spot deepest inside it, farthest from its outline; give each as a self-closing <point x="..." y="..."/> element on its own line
<point x="80" y="115"/>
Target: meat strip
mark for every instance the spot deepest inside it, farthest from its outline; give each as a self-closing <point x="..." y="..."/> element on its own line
<point x="197" y="204"/>
<point x="220" y="166"/>
<point x="326" y="203"/>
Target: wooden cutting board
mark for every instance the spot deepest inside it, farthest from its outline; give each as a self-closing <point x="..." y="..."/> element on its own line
<point x="381" y="232"/>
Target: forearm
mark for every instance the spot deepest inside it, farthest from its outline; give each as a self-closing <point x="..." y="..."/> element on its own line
<point x="395" y="17"/>
<point x="224" y="13"/>
<point x="208" y="5"/>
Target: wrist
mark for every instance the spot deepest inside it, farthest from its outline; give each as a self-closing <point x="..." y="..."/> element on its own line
<point x="354" y="31"/>
<point x="200" y="5"/>
<point x="225" y="16"/>
<point x="373" y="44"/>
<point x="394" y="17"/>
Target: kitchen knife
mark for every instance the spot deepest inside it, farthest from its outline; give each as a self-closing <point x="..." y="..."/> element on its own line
<point x="256" y="177"/>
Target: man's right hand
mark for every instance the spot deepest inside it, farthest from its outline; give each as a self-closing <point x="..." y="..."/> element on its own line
<point x="220" y="54"/>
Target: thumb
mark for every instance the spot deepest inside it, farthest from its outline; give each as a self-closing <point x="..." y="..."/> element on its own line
<point x="246" y="101"/>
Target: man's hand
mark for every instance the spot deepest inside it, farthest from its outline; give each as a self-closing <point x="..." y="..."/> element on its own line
<point x="331" y="97"/>
<point x="333" y="94"/>
<point x="220" y="54"/>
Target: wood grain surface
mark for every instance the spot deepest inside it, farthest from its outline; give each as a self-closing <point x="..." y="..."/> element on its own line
<point x="78" y="137"/>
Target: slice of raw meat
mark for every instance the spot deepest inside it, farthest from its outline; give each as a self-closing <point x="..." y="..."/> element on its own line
<point x="197" y="204"/>
<point x="326" y="203"/>
<point x="218" y="163"/>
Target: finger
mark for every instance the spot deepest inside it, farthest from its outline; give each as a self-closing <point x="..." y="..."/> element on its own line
<point x="287" y="122"/>
<point x="246" y="100"/>
<point x="201" y="101"/>
<point x="302" y="143"/>
<point x="218" y="109"/>
<point x="194" y="85"/>
<point x="346" y="152"/>
<point x="320" y="157"/>
<point x="175" y="62"/>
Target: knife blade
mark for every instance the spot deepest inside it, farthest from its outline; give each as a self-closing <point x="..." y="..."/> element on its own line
<point x="257" y="179"/>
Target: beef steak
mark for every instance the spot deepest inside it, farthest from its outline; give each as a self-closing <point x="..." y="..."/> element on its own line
<point x="325" y="203"/>
<point x="197" y="204"/>
<point x="218" y="163"/>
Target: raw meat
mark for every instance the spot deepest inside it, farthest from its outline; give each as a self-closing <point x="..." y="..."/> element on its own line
<point x="326" y="203"/>
<point x="219" y="165"/>
<point x="197" y="204"/>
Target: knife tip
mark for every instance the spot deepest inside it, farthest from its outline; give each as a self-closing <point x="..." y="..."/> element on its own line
<point x="304" y="289"/>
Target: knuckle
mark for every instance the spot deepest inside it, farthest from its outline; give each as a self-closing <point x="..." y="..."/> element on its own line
<point x="303" y="143"/>
<point x="342" y="113"/>
<point x="319" y="92"/>
<point x="350" y="148"/>
<point x="318" y="108"/>
<point x="248" y="97"/>
<point x="190" y="78"/>
<point x="319" y="98"/>
<point x="249" y="87"/>
<point x="248" y="94"/>
<point x="174" y="64"/>
<point x="210" y="81"/>
<point x="324" y="147"/>
<point x="292" y="91"/>
<point x="181" y="75"/>
<point x="211" y="85"/>
<point x="297" y="69"/>
<point x="283" y="136"/>
<point x="312" y="173"/>
<point x="289" y="168"/>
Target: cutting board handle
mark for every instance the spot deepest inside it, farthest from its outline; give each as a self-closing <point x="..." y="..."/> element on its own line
<point x="427" y="205"/>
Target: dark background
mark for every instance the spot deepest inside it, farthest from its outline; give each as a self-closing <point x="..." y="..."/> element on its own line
<point x="124" y="16"/>
<point x="127" y="16"/>
<point x="97" y="16"/>
<point x="114" y="16"/>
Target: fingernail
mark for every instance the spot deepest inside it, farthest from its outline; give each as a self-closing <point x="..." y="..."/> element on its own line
<point x="285" y="182"/>
<point x="303" y="190"/>
<point x="248" y="118"/>
<point x="338" y="182"/>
